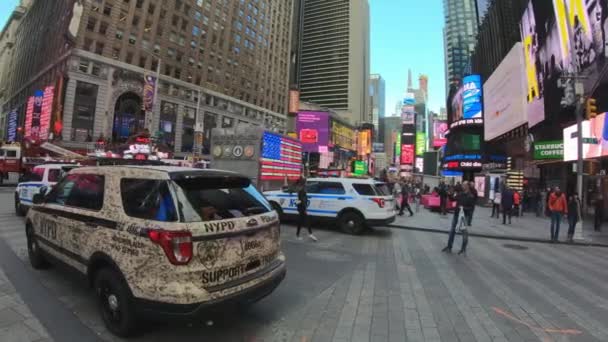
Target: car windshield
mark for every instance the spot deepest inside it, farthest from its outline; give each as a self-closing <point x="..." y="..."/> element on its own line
<point x="202" y="199"/>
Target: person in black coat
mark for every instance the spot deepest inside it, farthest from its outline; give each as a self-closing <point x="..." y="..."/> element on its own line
<point x="302" y="205"/>
<point x="574" y="212"/>
<point x="507" y="203"/>
<point x="465" y="200"/>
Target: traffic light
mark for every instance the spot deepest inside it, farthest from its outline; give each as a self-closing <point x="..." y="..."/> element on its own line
<point x="591" y="108"/>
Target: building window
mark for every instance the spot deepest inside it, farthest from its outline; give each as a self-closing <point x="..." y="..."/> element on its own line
<point x="107" y="10"/>
<point x="135" y="21"/>
<point x="119" y="34"/>
<point x="168" y="117"/>
<point x="99" y="48"/>
<point x="96" y="69"/>
<point x="91" y="24"/>
<point x="83" y="118"/>
<point x="103" y="28"/>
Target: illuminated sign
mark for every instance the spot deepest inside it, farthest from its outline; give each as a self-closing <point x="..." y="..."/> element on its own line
<point x="364" y="142"/>
<point x="466" y="106"/>
<point x="12" y="126"/>
<point x="407" y="154"/>
<point x="46" y="112"/>
<point x="359" y="168"/>
<point x="342" y="135"/>
<point x="29" y="112"/>
<point x="467" y="122"/>
<point x="463" y="164"/>
<point x="440" y="129"/>
<point x="281" y="158"/>
<point x="294" y="101"/>
<point x="549" y="149"/>
<point x="419" y="164"/>
<point x="420" y="143"/>
<point x="313" y="130"/>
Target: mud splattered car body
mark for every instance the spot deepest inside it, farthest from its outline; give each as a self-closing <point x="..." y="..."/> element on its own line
<point x="178" y="239"/>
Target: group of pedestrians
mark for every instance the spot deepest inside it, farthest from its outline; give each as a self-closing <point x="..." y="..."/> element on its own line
<point x="558" y="206"/>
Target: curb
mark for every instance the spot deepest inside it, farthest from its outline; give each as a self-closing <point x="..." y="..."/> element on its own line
<point x="502" y="237"/>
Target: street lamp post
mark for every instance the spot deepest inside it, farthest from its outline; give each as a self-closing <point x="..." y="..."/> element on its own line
<point x="156" y="84"/>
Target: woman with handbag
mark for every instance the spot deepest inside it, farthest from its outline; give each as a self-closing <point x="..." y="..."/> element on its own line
<point x="574" y="214"/>
<point x="463" y="214"/>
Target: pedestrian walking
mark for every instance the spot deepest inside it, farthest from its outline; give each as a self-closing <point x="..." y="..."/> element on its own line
<point x="496" y="204"/>
<point x="574" y="215"/>
<point x="516" y="203"/>
<point x="417" y="196"/>
<point x="465" y="201"/>
<point x="558" y="207"/>
<point x="473" y="191"/>
<point x="405" y="194"/>
<point x="443" y="197"/>
<point x="506" y="202"/>
<point x="302" y="204"/>
<point x="599" y="212"/>
<point x="397" y="195"/>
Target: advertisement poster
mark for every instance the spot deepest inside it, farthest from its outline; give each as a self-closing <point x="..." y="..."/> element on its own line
<point x="46" y="112"/>
<point x="439" y="129"/>
<point x="472" y="97"/>
<point x="480" y="185"/>
<point x="364" y="142"/>
<point x="420" y="143"/>
<point x="149" y="85"/>
<point x="595" y="139"/>
<point x="546" y="29"/>
<point x="419" y="164"/>
<point x="407" y="154"/>
<point x="359" y="168"/>
<point x="343" y="136"/>
<point x="408" y="115"/>
<point x="313" y="130"/>
<point x="504" y="94"/>
<point x="549" y="150"/>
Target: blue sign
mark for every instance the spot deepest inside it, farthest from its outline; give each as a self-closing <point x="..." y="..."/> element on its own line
<point x="12" y="126"/>
<point x="472" y="97"/>
<point x="448" y="173"/>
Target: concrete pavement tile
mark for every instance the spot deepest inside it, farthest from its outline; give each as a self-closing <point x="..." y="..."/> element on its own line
<point x="9" y="316"/>
<point x="35" y="325"/>
<point x="379" y="338"/>
<point x="18" y="332"/>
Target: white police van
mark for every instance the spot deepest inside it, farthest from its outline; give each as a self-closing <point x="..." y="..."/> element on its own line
<point x="41" y="175"/>
<point x="353" y="203"/>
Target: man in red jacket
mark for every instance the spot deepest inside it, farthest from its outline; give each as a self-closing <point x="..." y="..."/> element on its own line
<point x="558" y="206"/>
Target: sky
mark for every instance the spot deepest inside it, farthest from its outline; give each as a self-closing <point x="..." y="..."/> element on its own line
<point x="6" y="8"/>
<point x="408" y="34"/>
<point x="405" y="34"/>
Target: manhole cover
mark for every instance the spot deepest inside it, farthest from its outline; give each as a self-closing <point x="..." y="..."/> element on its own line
<point x="328" y="256"/>
<point x="518" y="247"/>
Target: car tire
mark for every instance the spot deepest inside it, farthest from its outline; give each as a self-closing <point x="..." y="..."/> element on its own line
<point x="19" y="210"/>
<point x="34" y="253"/>
<point x="115" y="303"/>
<point x="351" y="223"/>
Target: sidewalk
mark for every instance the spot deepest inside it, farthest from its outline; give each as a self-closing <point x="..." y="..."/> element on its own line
<point x="17" y="323"/>
<point x="527" y="227"/>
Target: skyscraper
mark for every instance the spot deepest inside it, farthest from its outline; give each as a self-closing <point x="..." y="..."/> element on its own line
<point x="222" y="64"/>
<point x="459" y="36"/>
<point x="482" y="9"/>
<point x="377" y="100"/>
<point x="334" y="64"/>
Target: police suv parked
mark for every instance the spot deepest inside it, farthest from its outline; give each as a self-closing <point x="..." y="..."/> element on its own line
<point x="354" y="203"/>
<point x="45" y="175"/>
<point x="159" y="240"/>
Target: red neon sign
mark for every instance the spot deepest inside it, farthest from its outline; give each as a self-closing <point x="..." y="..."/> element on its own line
<point x="46" y="112"/>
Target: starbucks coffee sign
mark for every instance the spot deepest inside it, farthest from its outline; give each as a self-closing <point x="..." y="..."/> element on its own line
<point x="549" y="150"/>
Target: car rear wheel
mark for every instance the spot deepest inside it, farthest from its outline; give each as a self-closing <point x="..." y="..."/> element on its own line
<point x="37" y="259"/>
<point x="351" y="223"/>
<point x="19" y="210"/>
<point x="115" y="303"/>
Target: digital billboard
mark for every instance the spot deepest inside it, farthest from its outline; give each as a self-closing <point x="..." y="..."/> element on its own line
<point x="550" y="30"/>
<point x="359" y="168"/>
<point x="420" y="143"/>
<point x="439" y="129"/>
<point x="504" y="96"/>
<point x="12" y="126"/>
<point x="342" y="135"/>
<point x="281" y="157"/>
<point x="407" y="154"/>
<point x="408" y="115"/>
<point x="466" y="103"/>
<point x="313" y="130"/>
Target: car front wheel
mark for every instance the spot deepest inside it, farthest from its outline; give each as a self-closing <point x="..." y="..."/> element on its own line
<point x="115" y="303"/>
<point x="351" y="223"/>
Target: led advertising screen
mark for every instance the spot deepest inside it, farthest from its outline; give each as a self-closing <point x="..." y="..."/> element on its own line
<point x="472" y="97"/>
<point x="359" y="168"/>
<point x="546" y="29"/>
<point x="342" y="136"/>
<point x="408" y="115"/>
<point x="439" y="130"/>
<point x="313" y="130"/>
<point x="504" y="96"/>
<point x="420" y="143"/>
<point x="466" y="103"/>
<point x="12" y="126"/>
<point x="407" y="154"/>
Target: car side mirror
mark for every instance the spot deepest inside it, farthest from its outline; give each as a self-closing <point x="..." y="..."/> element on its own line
<point x="38" y="199"/>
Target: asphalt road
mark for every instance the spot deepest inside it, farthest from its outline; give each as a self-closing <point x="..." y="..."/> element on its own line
<point x="388" y="285"/>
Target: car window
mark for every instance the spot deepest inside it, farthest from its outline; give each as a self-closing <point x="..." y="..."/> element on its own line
<point x="54" y="175"/>
<point x="148" y="199"/>
<point x="328" y="188"/>
<point x="80" y="191"/>
<point x="37" y="175"/>
<point x="209" y="199"/>
<point x="382" y="189"/>
<point x="11" y="153"/>
<point x="364" y="189"/>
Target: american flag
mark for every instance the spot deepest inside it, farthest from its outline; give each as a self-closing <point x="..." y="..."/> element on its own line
<point x="281" y="157"/>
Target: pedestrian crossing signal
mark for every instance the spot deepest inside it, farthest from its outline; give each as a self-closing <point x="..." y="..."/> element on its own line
<point x="591" y="108"/>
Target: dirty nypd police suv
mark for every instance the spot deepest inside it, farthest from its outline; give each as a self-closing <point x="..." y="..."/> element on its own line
<point x="159" y="241"/>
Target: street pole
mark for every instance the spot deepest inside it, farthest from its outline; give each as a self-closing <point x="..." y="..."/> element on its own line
<point x="156" y="84"/>
<point x="579" y="93"/>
